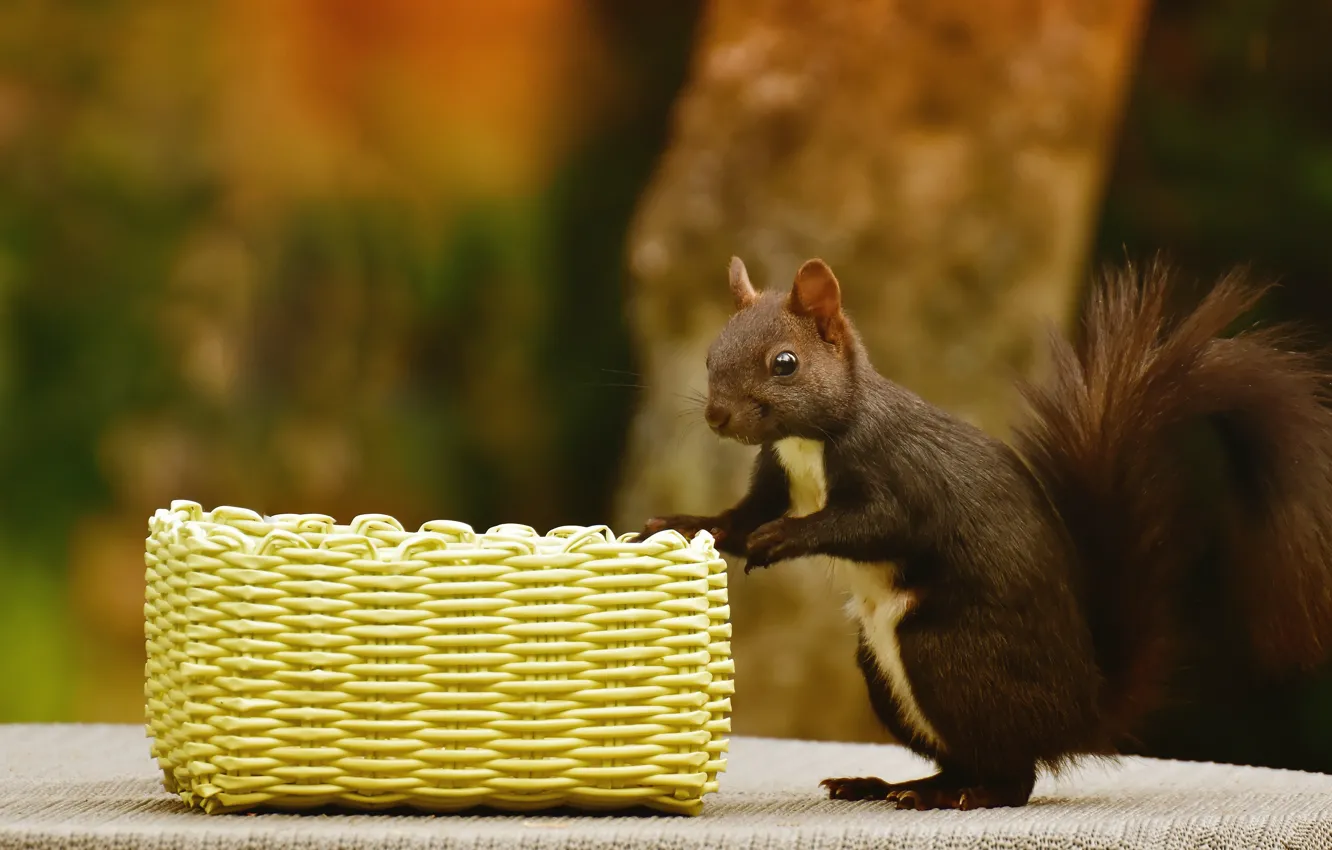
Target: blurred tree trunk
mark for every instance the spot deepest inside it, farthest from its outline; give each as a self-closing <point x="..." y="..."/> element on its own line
<point x="946" y="158"/>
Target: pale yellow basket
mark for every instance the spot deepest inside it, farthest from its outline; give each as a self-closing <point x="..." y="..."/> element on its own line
<point x="294" y="663"/>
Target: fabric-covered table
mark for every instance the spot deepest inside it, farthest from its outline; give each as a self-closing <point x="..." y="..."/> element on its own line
<point x="95" y="786"/>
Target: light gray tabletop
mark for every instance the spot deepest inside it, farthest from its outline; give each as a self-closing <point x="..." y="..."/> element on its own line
<point x="95" y="786"/>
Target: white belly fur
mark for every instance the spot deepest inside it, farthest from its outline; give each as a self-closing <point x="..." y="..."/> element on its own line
<point x="876" y="602"/>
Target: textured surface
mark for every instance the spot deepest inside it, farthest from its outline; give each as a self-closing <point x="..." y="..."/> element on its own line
<point x="96" y="786"/>
<point x="295" y="663"/>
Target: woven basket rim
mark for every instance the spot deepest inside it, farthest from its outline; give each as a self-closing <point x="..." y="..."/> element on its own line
<point x="247" y="530"/>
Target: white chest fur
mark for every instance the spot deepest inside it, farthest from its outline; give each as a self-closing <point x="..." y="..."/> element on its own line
<point x="876" y="601"/>
<point x="803" y="461"/>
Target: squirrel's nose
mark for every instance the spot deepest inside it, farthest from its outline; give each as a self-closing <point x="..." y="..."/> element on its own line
<point x="716" y="417"/>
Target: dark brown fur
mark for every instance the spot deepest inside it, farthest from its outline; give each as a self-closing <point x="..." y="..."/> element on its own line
<point x="1105" y="437"/>
<point x="1043" y="591"/>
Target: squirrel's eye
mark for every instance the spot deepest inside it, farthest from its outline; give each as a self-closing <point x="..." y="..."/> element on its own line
<point x="784" y="364"/>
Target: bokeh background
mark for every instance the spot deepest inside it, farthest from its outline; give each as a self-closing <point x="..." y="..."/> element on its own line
<point x="460" y="260"/>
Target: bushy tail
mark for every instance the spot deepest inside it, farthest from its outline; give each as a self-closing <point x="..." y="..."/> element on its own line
<point x="1115" y="436"/>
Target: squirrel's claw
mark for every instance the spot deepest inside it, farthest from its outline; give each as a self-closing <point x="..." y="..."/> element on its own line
<point x="768" y="545"/>
<point x="689" y="526"/>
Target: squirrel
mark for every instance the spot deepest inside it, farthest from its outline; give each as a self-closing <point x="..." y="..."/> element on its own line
<point x="1016" y="603"/>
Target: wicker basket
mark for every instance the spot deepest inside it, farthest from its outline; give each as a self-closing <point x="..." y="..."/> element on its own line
<point x="295" y="663"/>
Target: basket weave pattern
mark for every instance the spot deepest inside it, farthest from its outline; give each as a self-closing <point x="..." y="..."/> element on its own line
<point x="294" y="663"/>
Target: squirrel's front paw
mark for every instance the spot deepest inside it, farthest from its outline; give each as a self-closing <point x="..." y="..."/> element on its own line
<point x="685" y="524"/>
<point x="770" y="543"/>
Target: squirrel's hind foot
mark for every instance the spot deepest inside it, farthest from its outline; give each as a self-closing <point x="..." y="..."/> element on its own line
<point x="858" y="788"/>
<point x="934" y="792"/>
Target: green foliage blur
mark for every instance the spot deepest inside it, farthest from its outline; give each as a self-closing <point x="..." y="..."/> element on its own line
<point x="184" y="315"/>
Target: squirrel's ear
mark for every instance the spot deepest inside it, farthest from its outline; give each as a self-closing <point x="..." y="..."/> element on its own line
<point x="817" y="295"/>
<point x="741" y="289"/>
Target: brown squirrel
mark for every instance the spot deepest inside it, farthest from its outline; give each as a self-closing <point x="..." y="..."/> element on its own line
<point x="1016" y="605"/>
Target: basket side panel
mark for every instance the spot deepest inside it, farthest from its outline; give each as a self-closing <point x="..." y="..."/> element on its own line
<point x="722" y="670"/>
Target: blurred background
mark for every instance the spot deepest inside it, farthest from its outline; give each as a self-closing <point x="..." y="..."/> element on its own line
<point x="461" y="260"/>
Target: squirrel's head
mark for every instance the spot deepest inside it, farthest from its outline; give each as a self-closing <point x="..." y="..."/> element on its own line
<point x="784" y="365"/>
